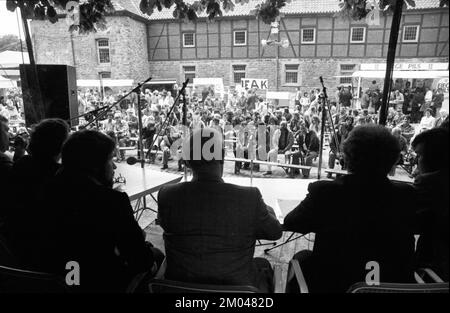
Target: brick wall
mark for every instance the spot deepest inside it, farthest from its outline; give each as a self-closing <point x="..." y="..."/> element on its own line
<point x="308" y="77"/>
<point x="128" y="48"/>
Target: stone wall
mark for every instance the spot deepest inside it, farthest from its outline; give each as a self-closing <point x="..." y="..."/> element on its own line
<point x="54" y="44"/>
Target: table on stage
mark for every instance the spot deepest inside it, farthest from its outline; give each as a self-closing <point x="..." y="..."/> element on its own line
<point x="142" y="182"/>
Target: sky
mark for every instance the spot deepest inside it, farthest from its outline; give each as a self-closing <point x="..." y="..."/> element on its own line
<point x="8" y="21"/>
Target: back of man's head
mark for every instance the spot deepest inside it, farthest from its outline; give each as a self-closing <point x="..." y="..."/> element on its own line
<point x="48" y="138"/>
<point x="432" y="147"/>
<point x="204" y="148"/>
<point x="371" y="150"/>
<point x="87" y="151"/>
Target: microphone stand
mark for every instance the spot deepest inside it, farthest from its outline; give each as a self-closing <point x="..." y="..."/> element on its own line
<point x="132" y="160"/>
<point x="325" y="107"/>
<point x="109" y="108"/>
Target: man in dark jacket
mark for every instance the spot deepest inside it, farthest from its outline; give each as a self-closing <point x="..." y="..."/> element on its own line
<point x="309" y="146"/>
<point x="210" y="227"/>
<point x="432" y="185"/>
<point x="359" y="220"/>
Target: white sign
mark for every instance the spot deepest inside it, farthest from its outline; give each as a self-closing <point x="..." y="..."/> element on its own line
<point x="280" y="95"/>
<point x="406" y="67"/>
<point x="249" y="83"/>
<point x="443" y="84"/>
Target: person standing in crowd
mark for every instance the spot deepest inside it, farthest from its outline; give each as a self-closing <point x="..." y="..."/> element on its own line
<point x="221" y="221"/>
<point x="298" y="96"/>
<point x="438" y="99"/>
<point x="432" y="185"/>
<point x="346" y="98"/>
<point x="305" y="102"/>
<point x="428" y="99"/>
<point x="370" y="152"/>
<point x="365" y="100"/>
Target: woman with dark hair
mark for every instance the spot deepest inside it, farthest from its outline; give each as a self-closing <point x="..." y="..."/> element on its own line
<point x="353" y="214"/>
<point x="84" y="220"/>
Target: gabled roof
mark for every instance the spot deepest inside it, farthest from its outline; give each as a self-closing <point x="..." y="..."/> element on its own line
<point x="294" y="7"/>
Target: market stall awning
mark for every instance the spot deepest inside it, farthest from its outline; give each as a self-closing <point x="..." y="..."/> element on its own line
<point x="161" y="82"/>
<point x="105" y="83"/>
<point x="7" y="83"/>
<point x="402" y="74"/>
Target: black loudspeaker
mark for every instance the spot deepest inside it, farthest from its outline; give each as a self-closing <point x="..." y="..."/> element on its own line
<point x="58" y="89"/>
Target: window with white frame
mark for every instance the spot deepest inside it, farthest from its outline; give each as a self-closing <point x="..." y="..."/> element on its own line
<point x="103" y="51"/>
<point x="347" y="71"/>
<point x="308" y="35"/>
<point x="105" y="75"/>
<point x="238" y="73"/>
<point x="410" y="33"/>
<point x="189" y="72"/>
<point x="240" y="37"/>
<point x="291" y="73"/>
<point x="358" y="34"/>
<point x="189" y="40"/>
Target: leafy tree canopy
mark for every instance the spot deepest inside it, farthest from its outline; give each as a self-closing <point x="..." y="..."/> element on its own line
<point x="11" y="43"/>
<point x="93" y="12"/>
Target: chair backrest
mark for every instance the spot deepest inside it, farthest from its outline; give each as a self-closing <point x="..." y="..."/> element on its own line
<point x="6" y="256"/>
<point x="14" y="280"/>
<point x="169" y="286"/>
<point x="399" y="288"/>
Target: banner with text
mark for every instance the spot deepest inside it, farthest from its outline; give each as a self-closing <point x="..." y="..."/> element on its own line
<point x="249" y="83"/>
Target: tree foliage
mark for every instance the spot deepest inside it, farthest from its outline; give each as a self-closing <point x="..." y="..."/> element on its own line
<point x="93" y="12"/>
<point x="11" y="43"/>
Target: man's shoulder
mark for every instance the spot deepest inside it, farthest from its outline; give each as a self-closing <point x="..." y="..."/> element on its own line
<point x="324" y="186"/>
<point x="225" y="187"/>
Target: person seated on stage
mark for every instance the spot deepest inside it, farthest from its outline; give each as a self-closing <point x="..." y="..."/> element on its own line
<point x="309" y="146"/>
<point x="432" y="185"/>
<point x="122" y="134"/>
<point x="82" y="219"/>
<point x="31" y="174"/>
<point x="210" y="227"/>
<point x="352" y="233"/>
<point x="281" y="142"/>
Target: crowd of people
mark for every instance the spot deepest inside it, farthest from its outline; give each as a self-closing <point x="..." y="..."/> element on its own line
<point x="290" y="131"/>
<point x="72" y="213"/>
